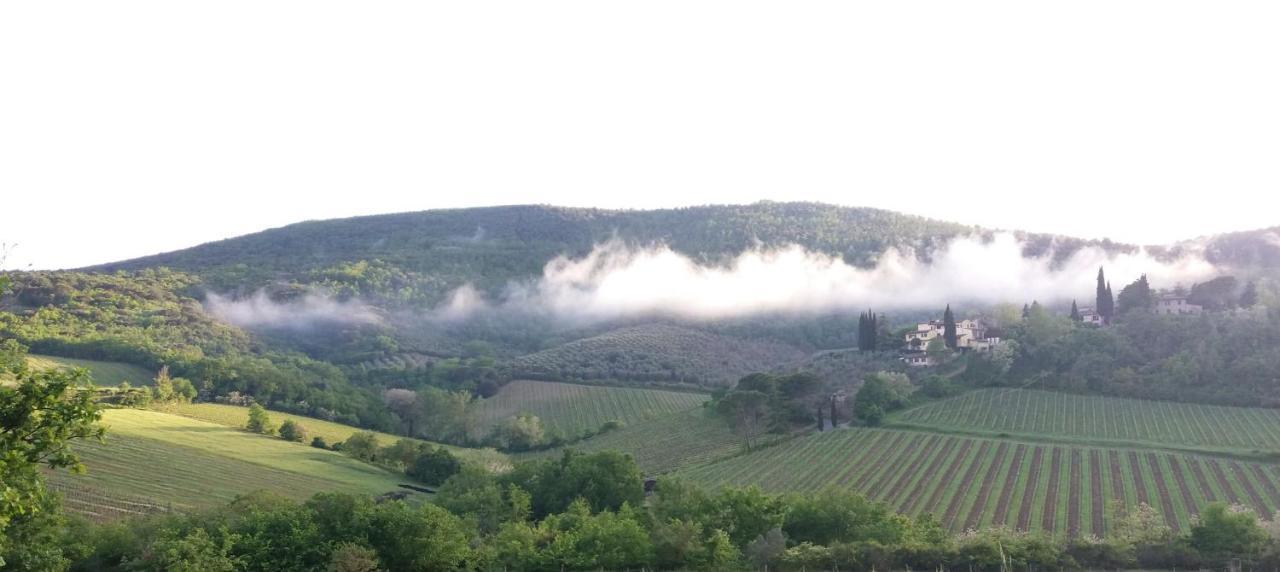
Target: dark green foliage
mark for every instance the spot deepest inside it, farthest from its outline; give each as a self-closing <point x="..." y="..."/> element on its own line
<point x="1105" y="303"/>
<point x="319" y="442"/>
<point x="1223" y="533"/>
<point x="949" y="328"/>
<point x="869" y="331"/>
<point x="293" y="431"/>
<point x="361" y="445"/>
<point x="1075" y="312"/>
<point x="433" y="465"/>
<point x="1136" y="297"/>
<point x="605" y="480"/>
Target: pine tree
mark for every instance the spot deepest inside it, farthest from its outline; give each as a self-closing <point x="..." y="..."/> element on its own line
<point x="1075" y="312"/>
<point x="949" y="328"/>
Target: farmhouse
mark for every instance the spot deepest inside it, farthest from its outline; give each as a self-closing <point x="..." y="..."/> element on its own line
<point x="1091" y="317"/>
<point x="1176" y="304"/>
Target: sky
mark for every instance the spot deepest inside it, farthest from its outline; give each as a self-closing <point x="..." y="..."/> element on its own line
<point x="130" y="128"/>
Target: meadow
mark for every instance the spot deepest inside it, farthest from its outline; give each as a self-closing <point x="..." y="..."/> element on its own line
<point x="973" y="483"/>
<point x="236" y="417"/>
<point x="171" y="462"/>
<point x="103" y="372"/>
<point x="1100" y="419"/>
<point x="571" y="409"/>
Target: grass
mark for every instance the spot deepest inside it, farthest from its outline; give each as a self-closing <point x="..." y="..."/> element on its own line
<point x="235" y="416"/>
<point x="103" y="372"/>
<point x="571" y="409"/>
<point x="892" y="466"/>
<point x="173" y="461"/>
<point x="1101" y="420"/>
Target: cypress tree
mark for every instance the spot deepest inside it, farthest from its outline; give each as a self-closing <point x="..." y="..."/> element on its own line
<point x="1075" y="312"/>
<point x="1026" y="311"/>
<point x="834" y="418"/>
<point x="820" y="424"/>
<point x="1104" y="295"/>
<point x="1111" y="304"/>
<point x="949" y="328"/>
<point x="872" y="328"/>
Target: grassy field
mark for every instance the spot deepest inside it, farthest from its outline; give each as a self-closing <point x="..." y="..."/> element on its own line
<point x="666" y="443"/>
<point x="103" y="372"/>
<point x="971" y="482"/>
<point x="1099" y="419"/>
<point x="570" y="409"/>
<point x="168" y="461"/>
<point x="234" y="416"/>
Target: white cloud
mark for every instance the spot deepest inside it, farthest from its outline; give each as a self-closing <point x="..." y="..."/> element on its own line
<point x="615" y="281"/>
<point x="308" y="311"/>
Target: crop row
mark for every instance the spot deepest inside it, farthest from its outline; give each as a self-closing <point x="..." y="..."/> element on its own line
<point x="571" y="409"/>
<point x="973" y="483"/>
<point x="1097" y="417"/>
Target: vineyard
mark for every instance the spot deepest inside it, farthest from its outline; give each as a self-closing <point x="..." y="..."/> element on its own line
<point x="162" y="460"/>
<point x="1089" y="417"/>
<point x="971" y="482"/>
<point x="570" y="409"/>
<point x="667" y="443"/>
<point x="657" y="353"/>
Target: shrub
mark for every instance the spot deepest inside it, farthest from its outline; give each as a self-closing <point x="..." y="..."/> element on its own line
<point x="319" y="442"/>
<point x="291" y="431"/>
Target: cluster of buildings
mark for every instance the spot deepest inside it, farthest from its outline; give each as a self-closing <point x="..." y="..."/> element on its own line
<point x="971" y="335"/>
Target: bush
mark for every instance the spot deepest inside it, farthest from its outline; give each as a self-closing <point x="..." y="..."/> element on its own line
<point x="291" y="431"/>
<point x="434" y="465"/>
<point x="361" y="445"/>
<point x="319" y="442"/>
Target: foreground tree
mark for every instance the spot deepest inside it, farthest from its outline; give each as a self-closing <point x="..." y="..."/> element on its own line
<point x="259" y="420"/>
<point x="40" y="415"/>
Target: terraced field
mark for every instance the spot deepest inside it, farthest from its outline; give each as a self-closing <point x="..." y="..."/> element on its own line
<point x="667" y="443"/>
<point x="154" y="460"/>
<point x="571" y="409"/>
<point x="972" y="482"/>
<point x="235" y="417"/>
<point x="1096" y="418"/>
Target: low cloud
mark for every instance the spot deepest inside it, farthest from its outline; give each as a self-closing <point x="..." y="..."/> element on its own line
<point x="304" y="312"/>
<point x="616" y="281"/>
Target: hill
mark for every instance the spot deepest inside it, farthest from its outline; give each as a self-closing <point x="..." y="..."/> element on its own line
<point x="976" y="483"/>
<point x="177" y="462"/>
<point x="570" y="410"/>
<point x="658" y="353"/>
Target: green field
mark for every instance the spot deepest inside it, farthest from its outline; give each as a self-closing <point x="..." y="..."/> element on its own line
<point x="103" y="372"/>
<point x="235" y="416"/>
<point x="666" y="443"/>
<point x="168" y="461"/>
<point x="970" y="482"/>
<point x="570" y="409"/>
<point x="1099" y="420"/>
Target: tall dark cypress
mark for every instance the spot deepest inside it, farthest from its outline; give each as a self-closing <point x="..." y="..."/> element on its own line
<point x="834" y="418"/>
<point x="1111" y="304"/>
<point x="872" y="328"/>
<point x="949" y="328"/>
<point x="862" y="331"/>
<point x="1075" y="312"/>
<point x="1103" y="295"/>
<point x="820" y="423"/>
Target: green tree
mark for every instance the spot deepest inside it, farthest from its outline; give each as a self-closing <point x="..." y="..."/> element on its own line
<point x="194" y="552"/>
<point x="748" y="413"/>
<point x="259" y="420"/>
<point x="352" y="557"/>
<point x="1249" y="298"/>
<point x="40" y="415"/>
<point x="434" y="465"/>
<point x="1075" y="312"/>
<point x="361" y="445"/>
<point x="1224" y="533"/>
<point x="1136" y="296"/>
<point x="521" y="432"/>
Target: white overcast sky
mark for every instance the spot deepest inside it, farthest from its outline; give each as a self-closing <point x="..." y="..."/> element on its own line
<point x="129" y="128"/>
